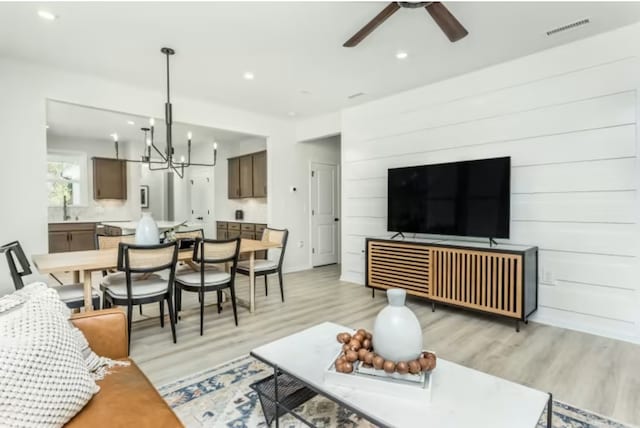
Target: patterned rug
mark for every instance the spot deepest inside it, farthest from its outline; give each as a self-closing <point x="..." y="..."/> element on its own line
<point x="221" y="397"/>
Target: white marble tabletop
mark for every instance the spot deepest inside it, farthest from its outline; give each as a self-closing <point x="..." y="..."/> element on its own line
<point x="461" y="397"/>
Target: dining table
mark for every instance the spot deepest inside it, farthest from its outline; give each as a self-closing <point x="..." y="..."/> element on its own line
<point x="83" y="263"/>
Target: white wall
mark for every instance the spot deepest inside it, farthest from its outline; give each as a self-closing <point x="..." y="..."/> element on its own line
<point x="568" y="117"/>
<point x="315" y="127"/>
<point x="25" y="87"/>
<point x="255" y="209"/>
<point x="157" y="182"/>
<point x="96" y="210"/>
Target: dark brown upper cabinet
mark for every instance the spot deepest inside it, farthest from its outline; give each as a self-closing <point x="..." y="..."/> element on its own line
<point x="260" y="175"/>
<point x="234" y="178"/>
<point x="247" y="176"/>
<point x="109" y="179"/>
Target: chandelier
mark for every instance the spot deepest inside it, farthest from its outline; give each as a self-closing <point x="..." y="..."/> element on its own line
<point x="167" y="159"/>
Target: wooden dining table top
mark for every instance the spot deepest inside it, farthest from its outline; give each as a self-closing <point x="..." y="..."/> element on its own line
<point x="92" y="260"/>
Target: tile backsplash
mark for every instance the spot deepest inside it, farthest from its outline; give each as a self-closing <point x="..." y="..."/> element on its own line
<point x="95" y="211"/>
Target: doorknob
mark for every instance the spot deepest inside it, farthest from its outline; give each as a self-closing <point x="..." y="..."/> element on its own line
<point x="199" y="218"/>
<point x="336" y="219"/>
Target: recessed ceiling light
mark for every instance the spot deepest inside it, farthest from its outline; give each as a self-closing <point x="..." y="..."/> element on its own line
<point x="131" y="122"/>
<point x="248" y="75"/>
<point x="401" y="55"/>
<point x="47" y="15"/>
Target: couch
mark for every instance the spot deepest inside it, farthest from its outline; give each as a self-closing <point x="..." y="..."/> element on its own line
<point x="126" y="398"/>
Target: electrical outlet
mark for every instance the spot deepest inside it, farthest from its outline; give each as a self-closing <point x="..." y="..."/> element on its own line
<point x="300" y="244"/>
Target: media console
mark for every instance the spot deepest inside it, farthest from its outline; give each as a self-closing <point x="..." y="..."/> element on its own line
<point x="501" y="280"/>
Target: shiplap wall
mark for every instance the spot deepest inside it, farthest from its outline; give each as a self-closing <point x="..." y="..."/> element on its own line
<point x="568" y="119"/>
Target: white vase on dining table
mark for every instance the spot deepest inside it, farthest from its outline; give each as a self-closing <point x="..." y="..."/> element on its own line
<point x="147" y="231"/>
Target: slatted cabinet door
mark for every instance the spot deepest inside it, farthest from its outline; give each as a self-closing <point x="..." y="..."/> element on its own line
<point x="398" y="265"/>
<point x="482" y="280"/>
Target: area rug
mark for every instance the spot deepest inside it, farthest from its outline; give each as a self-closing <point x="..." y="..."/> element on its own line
<point x="221" y="397"/>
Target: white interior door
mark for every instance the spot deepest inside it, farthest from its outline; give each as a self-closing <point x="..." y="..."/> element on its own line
<point x="324" y="214"/>
<point x="201" y="212"/>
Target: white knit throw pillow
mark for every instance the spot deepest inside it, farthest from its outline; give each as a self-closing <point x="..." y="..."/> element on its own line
<point x="44" y="380"/>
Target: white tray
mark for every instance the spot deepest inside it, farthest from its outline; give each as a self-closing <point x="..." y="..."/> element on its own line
<point x="410" y="387"/>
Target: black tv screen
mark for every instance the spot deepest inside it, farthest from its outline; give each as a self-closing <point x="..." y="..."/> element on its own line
<point x="470" y="198"/>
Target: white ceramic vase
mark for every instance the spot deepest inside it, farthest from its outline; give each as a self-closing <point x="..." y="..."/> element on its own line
<point x="397" y="335"/>
<point x="147" y="231"/>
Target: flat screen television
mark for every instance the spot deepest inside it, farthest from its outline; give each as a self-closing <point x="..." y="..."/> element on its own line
<point x="470" y="198"/>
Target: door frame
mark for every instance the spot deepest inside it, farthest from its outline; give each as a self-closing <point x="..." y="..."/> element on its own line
<point x="338" y="208"/>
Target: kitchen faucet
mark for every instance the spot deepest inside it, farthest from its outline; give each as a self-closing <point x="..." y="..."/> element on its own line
<point x="65" y="214"/>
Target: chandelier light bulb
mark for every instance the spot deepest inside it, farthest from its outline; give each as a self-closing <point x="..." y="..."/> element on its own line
<point x="152" y="121"/>
<point x="181" y="159"/>
<point x="215" y="146"/>
<point x="189" y="135"/>
<point x="115" y="136"/>
<point x="149" y="142"/>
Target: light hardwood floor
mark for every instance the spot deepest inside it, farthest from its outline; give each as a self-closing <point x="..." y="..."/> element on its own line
<point x="588" y="371"/>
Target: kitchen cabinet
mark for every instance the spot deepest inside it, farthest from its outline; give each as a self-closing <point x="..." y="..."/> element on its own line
<point x="234" y="178"/>
<point x="229" y="230"/>
<point x="64" y="237"/>
<point x="259" y="169"/>
<point x="109" y="179"/>
<point x="247" y="176"/>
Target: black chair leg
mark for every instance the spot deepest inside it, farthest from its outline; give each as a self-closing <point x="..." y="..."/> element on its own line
<point x="176" y="298"/>
<point x="219" y="292"/>
<point x="281" y="286"/>
<point x="233" y="303"/>
<point x="161" y="302"/>
<point x="266" y="286"/>
<point x="129" y="316"/>
<point x="140" y="309"/>
<point x="172" y="320"/>
<point x="96" y="303"/>
<point x="201" y="296"/>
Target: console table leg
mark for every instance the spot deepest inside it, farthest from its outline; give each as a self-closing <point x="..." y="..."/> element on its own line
<point x="373" y="292"/>
<point x="433" y="306"/>
<point x="550" y="411"/>
<point x="517" y="326"/>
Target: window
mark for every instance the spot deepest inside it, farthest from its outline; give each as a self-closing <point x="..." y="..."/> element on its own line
<point x="67" y="177"/>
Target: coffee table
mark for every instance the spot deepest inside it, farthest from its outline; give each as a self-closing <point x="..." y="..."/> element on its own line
<point x="461" y="397"/>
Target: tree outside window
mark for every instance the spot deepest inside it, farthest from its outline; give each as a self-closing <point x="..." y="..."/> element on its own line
<point x="66" y="177"/>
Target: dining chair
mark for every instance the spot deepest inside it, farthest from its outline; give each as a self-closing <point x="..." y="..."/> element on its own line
<point x="186" y="239"/>
<point x="268" y="267"/>
<point x="71" y="294"/>
<point x="136" y="262"/>
<point x="206" y="253"/>
<point x="113" y="277"/>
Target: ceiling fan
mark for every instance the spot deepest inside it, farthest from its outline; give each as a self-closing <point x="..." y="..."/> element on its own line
<point x="445" y="20"/>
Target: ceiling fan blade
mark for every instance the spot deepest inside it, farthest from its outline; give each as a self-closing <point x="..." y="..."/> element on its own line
<point x="372" y="25"/>
<point x="446" y="21"/>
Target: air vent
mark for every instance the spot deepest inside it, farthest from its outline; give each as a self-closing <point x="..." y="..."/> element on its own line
<point x="568" y="27"/>
<point x="356" y="95"/>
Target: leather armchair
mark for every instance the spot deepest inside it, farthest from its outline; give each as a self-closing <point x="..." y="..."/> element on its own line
<point x="126" y="397"/>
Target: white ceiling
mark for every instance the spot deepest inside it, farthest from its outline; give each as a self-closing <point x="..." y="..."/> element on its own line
<point x="290" y="46"/>
<point x="95" y="125"/>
